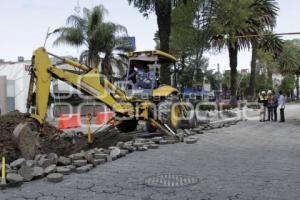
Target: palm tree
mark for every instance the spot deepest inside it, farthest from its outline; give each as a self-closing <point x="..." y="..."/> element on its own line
<point x="97" y="36"/>
<point x="239" y="20"/>
<point x="264" y="18"/>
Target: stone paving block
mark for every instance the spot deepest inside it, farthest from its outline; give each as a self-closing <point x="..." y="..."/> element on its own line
<point x="64" y="160"/>
<point x="77" y="156"/>
<point x="18" y="163"/>
<point x="100" y="156"/>
<point x="55" y="177"/>
<point x="50" y="169"/>
<point x="38" y="172"/>
<point x="63" y="170"/>
<point x="30" y="163"/>
<point x="115" y="152"/>
<point x="71" y="167"/>
<point x="153" y="146"/>
<point x="98" y="162"/>
<point x="142" y="148"/>
<point x="14" y="178"/>
<point x="79" y="163"/>
<point x="191" y="140"/>
<point x="44" y="162"/>
<point x="163" y="142"/>
<point x="53" y="157"/>
<point x="124" y="152"/>
<point x="26" y="172"/>
<point x="83" y="169"/>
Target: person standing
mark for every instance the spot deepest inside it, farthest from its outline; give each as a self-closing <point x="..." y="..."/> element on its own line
<point x="275" y="106"/>
<point x="281" y="104"/>
<point x="262" y="99"/>
<point x="270" y="105"/>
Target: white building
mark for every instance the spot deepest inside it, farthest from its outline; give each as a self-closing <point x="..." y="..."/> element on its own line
<point x="14" y="83"/>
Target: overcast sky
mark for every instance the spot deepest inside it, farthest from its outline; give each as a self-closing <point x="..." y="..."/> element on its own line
<point x="24" y="24"/>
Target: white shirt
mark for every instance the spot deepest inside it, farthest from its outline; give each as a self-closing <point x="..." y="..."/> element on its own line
<point x="281" y="101"/>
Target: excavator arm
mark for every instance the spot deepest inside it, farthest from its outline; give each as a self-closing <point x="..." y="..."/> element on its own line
<point x="90" y="83"/>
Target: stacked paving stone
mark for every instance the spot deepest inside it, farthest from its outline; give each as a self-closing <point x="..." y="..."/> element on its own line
<point x="55" y="167"/>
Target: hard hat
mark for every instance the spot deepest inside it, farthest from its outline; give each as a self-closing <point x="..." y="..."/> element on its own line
<point x="269" y="91"/>
<point x="263" y="92"/>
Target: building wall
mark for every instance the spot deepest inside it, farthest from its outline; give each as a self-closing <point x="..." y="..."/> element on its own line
<point x="18" y="80"/>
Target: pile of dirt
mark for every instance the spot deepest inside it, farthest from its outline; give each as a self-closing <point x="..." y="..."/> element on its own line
<point x="48" y="138"/>
<point x="8" y="122"/>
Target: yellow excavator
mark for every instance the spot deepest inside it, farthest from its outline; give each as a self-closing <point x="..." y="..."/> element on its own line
<point x="136" y="99"/>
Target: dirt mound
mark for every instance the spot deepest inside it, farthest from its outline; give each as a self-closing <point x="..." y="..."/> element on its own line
<point x="8" y="122"/>
<point x="48" y="138"/>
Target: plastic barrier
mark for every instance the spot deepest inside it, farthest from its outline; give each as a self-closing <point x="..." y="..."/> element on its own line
<point x="69" y="121"/>
<point x="103" y="117"/>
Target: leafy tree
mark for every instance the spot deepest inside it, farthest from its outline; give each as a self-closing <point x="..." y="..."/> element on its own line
<point x="97" y="36"/>
<point x="289" y="60"/>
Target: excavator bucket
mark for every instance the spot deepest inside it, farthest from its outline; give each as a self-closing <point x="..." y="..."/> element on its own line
<point x="26" y="139"/>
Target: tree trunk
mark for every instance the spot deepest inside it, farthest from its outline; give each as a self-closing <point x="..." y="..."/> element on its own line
<point x="233" y="57"/>
<point x="251" y="92"/>
<point x="163" y="12"/>
<point x="297" y="87"/>
<point x="106" y="67"/>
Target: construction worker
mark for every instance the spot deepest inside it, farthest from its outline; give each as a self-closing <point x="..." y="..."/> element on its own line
<point x="270" y="105"/>
<point x="262" y="99"/>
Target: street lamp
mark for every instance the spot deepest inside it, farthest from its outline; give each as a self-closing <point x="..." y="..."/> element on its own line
<point x="50" y="33"/>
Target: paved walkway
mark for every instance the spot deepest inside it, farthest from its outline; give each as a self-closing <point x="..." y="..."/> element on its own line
<point x="250" y="160"/>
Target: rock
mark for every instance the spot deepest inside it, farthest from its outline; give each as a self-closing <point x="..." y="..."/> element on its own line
<point x="18" y="163"/>
<point x="153" y="146"/>
<point x="44" y="162"/>
<point x="138" y="144"/>
<point x="79" y="163"/>
<point x="191" y="140"/>
<point x="163" y="142"/>
<point x="83" y="169"/>
<point x="89" y="158"/>
<point x="120" y="144"/>
<point x="38" y="172"/>
<point x="123" y="152"/>
<point x="77" y="156"/>
<point x="30" y="163"/>
<point x="14" y="178"/>
<point x="157" y="139"/>
<point x="106" y="151"/>
<point x="63" y="170"/>
<point x="71" y="167"/>
<point x="98" y="162"/>
<point x="53" y="157"/>
<point x="37" y="157"/>
<point x="142" y="148"/>
<point x="128" y="147"/>
<point x="64" y="160"/>
<point x="109" y="158"/>
<point x="26" y="172"/>
<point x="55" y="177"/>
<point x="100" y="156"/>
<point x="171" y="141"/>
<point x="50" y="169"/>
<point x="187" y="131"/>
<point x="115" y="152"/>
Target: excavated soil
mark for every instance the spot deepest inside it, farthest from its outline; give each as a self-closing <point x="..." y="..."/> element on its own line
<point x="50" y="142"/>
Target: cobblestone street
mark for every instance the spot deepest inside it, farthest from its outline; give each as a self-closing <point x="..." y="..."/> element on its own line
<point x="250" y="160"/>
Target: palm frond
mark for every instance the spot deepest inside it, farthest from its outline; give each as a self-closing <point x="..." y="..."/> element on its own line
<point x="71" y="36"/>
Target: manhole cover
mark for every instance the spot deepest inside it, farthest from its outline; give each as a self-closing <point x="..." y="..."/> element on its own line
<point x="171" y="180"/>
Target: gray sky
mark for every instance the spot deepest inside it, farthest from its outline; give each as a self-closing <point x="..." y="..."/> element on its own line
<point x="24" y="24"/>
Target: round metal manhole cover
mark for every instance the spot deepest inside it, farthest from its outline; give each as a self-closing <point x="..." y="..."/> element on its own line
<point x="171" y="180"/>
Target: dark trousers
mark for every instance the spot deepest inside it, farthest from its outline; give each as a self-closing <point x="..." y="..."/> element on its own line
<point x="275" y="113"/>
<point x="270" y="113"/>
<point x="282" y="118"/>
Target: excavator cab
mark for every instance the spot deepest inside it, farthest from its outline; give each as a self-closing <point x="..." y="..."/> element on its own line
<point x="142" y="76"/>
